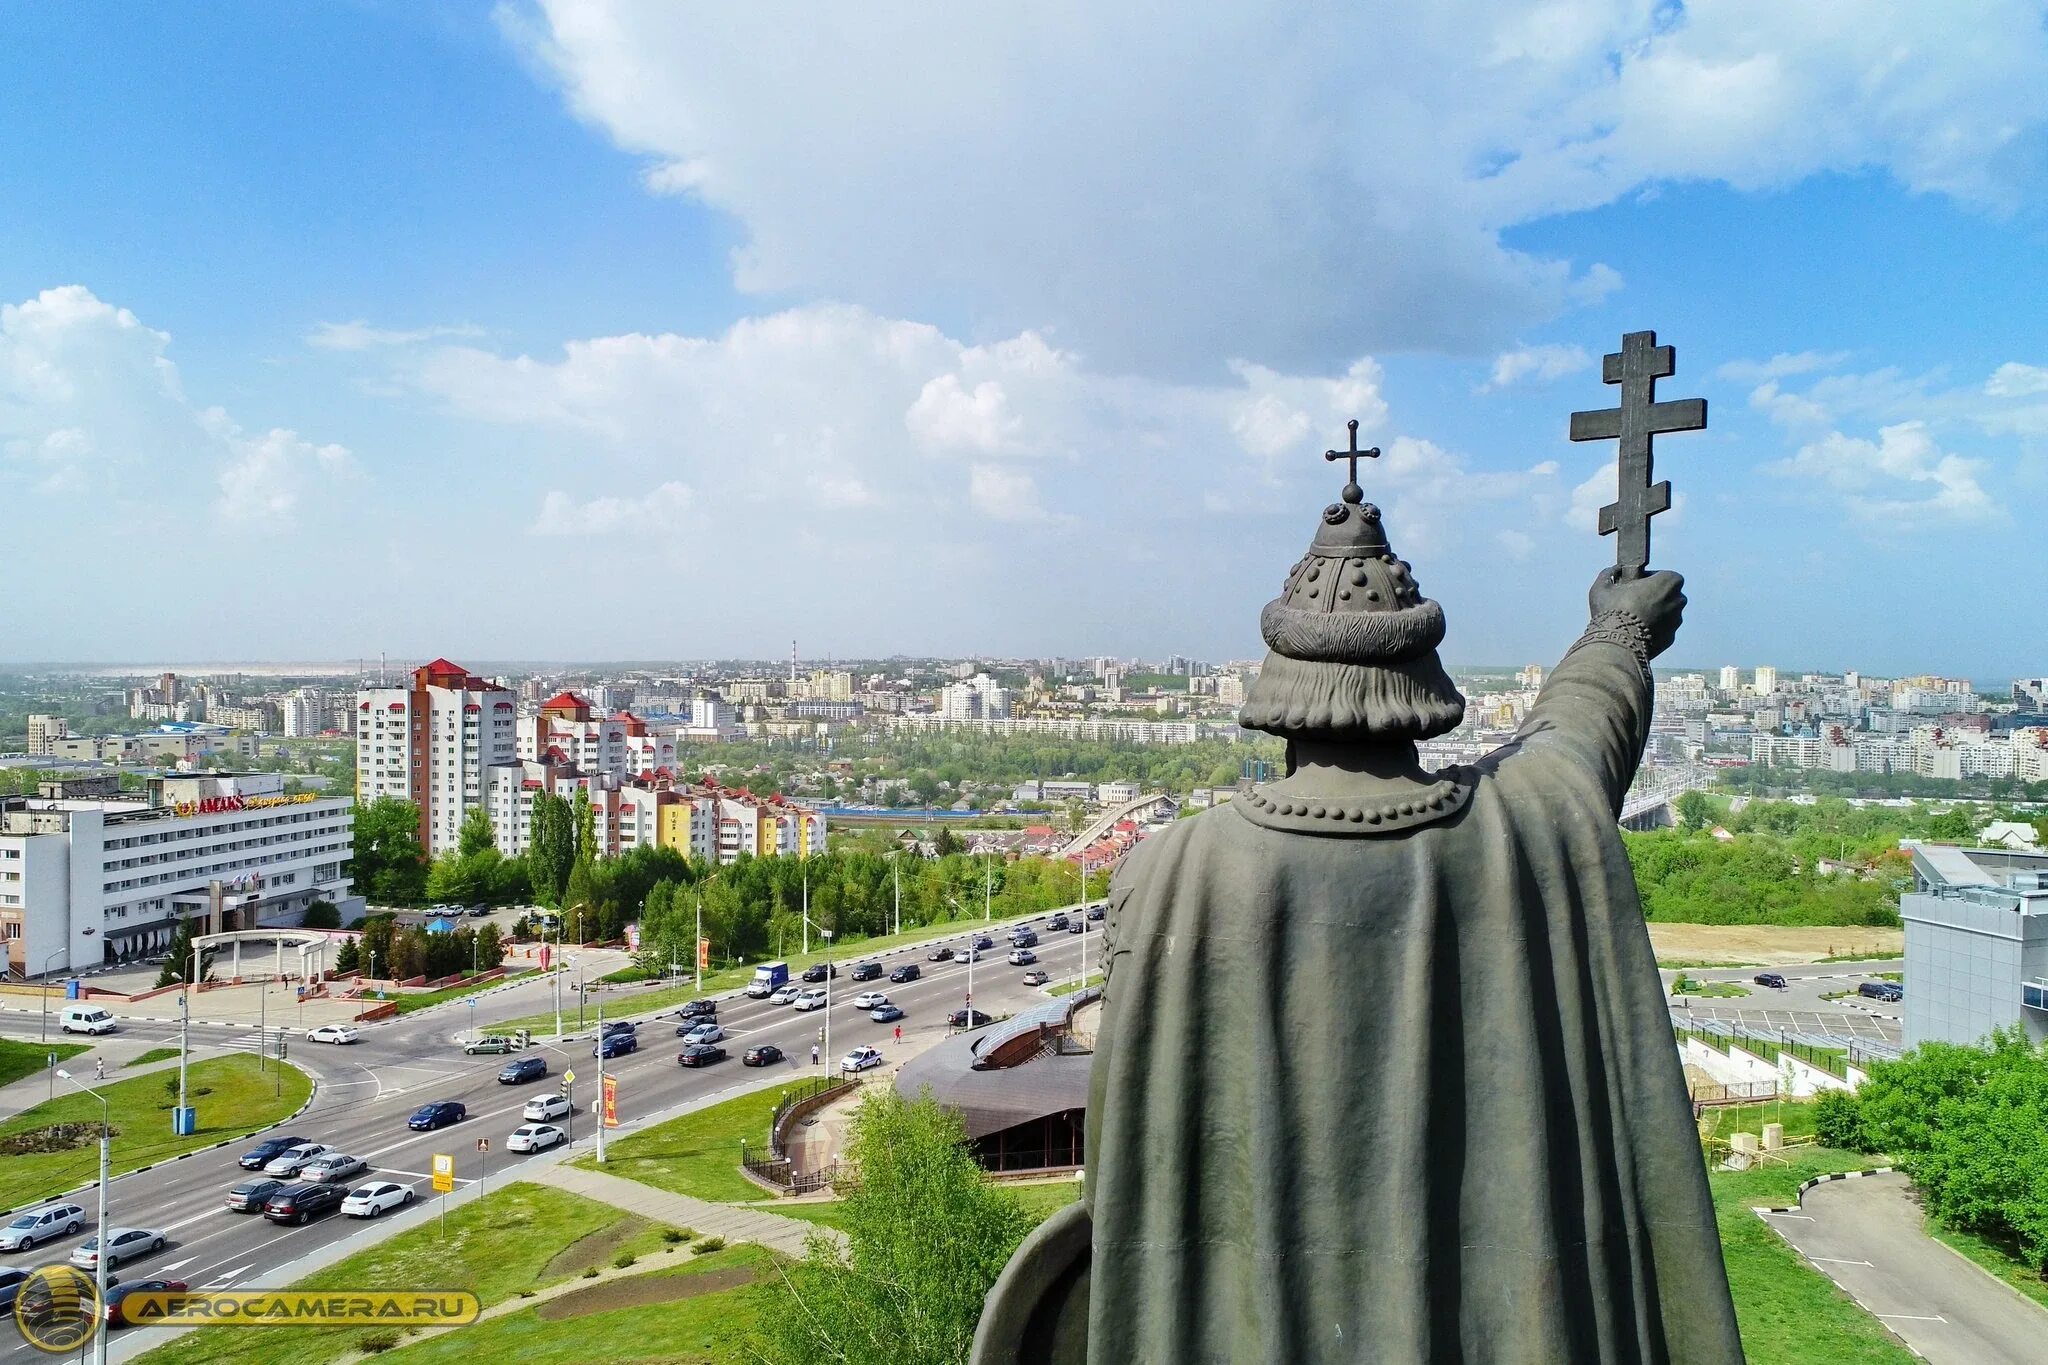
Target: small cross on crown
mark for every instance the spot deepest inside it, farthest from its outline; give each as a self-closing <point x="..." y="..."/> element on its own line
<point x="1352" y="492"/>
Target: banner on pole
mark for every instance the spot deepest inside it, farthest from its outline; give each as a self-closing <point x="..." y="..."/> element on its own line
<point x="544" y="956"/>
<point x="611" y="1101"/>
<point x="703" y="953"/>
<point x="633" y="937"/>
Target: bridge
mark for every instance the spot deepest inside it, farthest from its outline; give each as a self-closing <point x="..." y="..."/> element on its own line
<point x="1107" y="821"/>
<point x="1650" y="806"/>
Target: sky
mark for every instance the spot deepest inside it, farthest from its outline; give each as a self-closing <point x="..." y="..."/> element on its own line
<point x="617" y="329"/>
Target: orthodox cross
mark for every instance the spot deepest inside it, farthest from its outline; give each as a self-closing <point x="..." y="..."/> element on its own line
<point x="1352" y="492"/>
<point x="1637" y="367"/>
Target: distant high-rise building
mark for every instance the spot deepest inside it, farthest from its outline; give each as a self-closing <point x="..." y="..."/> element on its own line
<point x="1530" y="677"/>
<point x="1766" y="680"/>
<point x="2029" y="694"/>
<point x="1731" y="678"/>
<point x="45" y="731"/>
<point x="431" y="743"/>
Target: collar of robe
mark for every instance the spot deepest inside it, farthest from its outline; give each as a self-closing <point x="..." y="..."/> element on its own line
<point x="1383" y="812"/>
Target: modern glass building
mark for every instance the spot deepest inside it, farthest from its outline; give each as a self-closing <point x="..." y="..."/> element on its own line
<point x="1976" y="943"/>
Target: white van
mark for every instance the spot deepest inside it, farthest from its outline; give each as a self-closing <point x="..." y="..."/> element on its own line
<point x="85" y="1019"/>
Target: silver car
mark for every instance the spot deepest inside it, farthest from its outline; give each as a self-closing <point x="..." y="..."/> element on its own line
<point x="122" y="1246"/>
<point x="333" y="1166"/>
<point x="705" y="1033"/>
<point x="292" y="1160"/>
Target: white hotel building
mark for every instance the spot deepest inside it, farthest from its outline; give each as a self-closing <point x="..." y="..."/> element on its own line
<point x="86" y="881"/>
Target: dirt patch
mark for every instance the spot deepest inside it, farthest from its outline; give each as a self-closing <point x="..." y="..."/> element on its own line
<point x="1770" y="944"/>
<point x="637" y="1291"/>
<point x="593" y="1249"/>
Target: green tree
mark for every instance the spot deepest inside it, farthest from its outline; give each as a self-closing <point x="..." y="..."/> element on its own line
<point x="349" y="959"/>
<point x="585" y="826"/>
<point x="389" y="864"/>
<point x="927" y="1234"/>
<point x="178" y="966"/>
<point x="553" y="850"/>
<point x="579" y="896"/>
<point x="490" y="948"/>
<point x="1694" y="810"/>
<point x="322" y="914"/>
<point x="948" y="843"/>
<point x="476" y="833"/>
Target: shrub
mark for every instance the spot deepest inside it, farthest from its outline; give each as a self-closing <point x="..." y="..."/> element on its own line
<point x="373" y="1342"/>
<point x="1838" y="1120"/>
<point x="673" y="1235"/>
<point x="590" y="1272"/>
<point x="624" y="1259"/>
<point x="709" y="1245"/>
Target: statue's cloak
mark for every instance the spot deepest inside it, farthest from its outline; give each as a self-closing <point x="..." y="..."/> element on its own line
<point x="1407" y="1097"/>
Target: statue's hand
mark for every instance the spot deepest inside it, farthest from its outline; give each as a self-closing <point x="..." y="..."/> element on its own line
<point x="1657" y="600"/>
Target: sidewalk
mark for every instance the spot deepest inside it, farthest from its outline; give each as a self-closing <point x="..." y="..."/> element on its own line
<point x="735" y="1224"/>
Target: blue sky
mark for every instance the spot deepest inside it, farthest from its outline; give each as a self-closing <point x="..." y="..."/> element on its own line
<point x="638" y="330"/>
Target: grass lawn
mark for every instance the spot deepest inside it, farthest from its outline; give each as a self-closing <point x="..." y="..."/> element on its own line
<point x="699" y="1153"/>
<point x="1789" y="1313"/>
<point x="232" y="1097"/>
<point x="26" y="1059"/>
<point x="1040" y="1202"/>
<point x="408" y="1003"/>
<point x="1994" y="1258"/>
<point x="1727" y="990"/>
<point x="155" y="1054"/>
<point x="1069" y="987"/>
<point x="496" y="1246"/>
<point x="1676" y="964"/>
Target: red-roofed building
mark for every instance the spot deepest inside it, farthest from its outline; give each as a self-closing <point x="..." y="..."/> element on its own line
<point x="434" y="743"/>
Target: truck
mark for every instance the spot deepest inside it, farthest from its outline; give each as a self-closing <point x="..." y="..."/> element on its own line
<point x="769" y="978"/>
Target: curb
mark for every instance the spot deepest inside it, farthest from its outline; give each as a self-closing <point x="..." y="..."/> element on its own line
<point x="148" y="1018"/>
<point x="1806" y="1185"/>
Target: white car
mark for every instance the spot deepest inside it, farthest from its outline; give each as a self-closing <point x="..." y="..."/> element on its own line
<point x="535" y="1137"/>
<point x="331" y="1033"/>
<point x="292" y="1160"/>
<point x="36" y="1226"/>
<point x="785" y="995"/>
<point x="334" y="1167"/>
<point x="123" y="1245"/>
<point x="869" y="1000"/>
<point x="860" y="1059"/>
<point x="542" y="1107"/>
<point x="706" y="1033"/>
<point x="371" y="1201"/>
<point x="810" y="1000"/>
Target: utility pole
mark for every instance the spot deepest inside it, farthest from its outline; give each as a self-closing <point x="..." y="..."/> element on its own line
<point x="262" y="1011"/>
<point x="600" y="1076"/>
<point x="697" y="944"/>
<point x="826" y="934"/>
<point x="896" y="873"/>
<point x="988" y="890"/>
<point x="557" y="964"/>
<point x="99" y="1339"/>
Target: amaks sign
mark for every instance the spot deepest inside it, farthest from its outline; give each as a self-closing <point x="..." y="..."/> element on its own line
<point x="223" y="805"/>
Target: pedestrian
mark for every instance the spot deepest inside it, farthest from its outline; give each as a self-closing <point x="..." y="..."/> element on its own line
<point x="814" y="1054"/>
<point x="899" y="1033"/>
<point x="99" y="1068"/>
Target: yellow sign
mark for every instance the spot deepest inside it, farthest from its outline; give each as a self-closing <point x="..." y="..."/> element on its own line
<point x="294" y="1308"/>
<point x="444" y="1173"/>
<point x="224" y="805"/>
<point x="58" y="1309"/>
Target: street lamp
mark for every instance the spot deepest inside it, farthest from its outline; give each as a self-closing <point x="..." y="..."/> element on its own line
<point x="826" y="934"/>
<point x="43" y="989"/>
<point x="972" y="953"/>
<point x="99" y="1339"/>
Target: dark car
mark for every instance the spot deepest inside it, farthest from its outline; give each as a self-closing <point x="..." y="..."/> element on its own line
<point x="259" y="1156"/>
<point x="764" y="1054"/>
<point x="907" y="972"/>
<point x="984" y="942"/>
<point x="251" y="1195"/>
<point x="818" y="971"/>
<point x="866" y="971"/>
<point x="1890" y="991"/>
<point x="967" y="1019"/>
<point x="620" y="1026"/>
<point x="520" y="1070"/>
<point x="1771" y="979"/>
<point x="1023" y="938"/>
<point x="1056" y="924"/>
<point x="698" y="1009"/>
<point x="700" y="1054"/>
<point x="1095" y="912"/>
<point x="885" y="1014"/>
<point x="438" y="1114"/>
<point x="302" y="1203"/>
<point x="11" y="1278"/>
<point x="939" y="955"/>
<point x="1079" y="926"/>
<point x="615" y="1045"/>
<point x="115" y="1296"/>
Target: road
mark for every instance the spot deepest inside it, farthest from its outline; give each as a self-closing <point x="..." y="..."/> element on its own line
<point x="1800" y="1006"/>
<point x="1865" y="1235"/>
<point x="366" y="1091"/>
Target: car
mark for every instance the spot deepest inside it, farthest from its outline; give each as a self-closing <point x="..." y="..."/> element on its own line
<point x="11" y="1280"/>
<point x="1771" y="979"/>
<point x="819" y="971"/>
<point x="535" y="1137"/>
<point x="1022" y="957"/>
<point x="619" y="1026"/>
<point x="36" y="1226"/>
<point x="117" y="1296"/>
<point x="1036" y="977"/>
<point x="303" y="1203"/>
<point x="969" y="955"/>
<point x="860" y="1059"/>
<point x="492" y="1043"/>
<point x="885" y="1014"/>
<point x="1079" y="926"/>
<point x="257" y="1157"/>
<point x="615" y="1045"/>
<point x="809" y="1000"/>
<point x="520" y="1070"/>
<point x="436" y="1114"/>
<point x="783" y="995"/>
<point x="698" y="1009"/>
<point x="761" y="1054"/>
<point x="290" y="1161"/>
<point x="866" y="971"/>
<point x="1096" y="912"/>
<point x="968" y="1018"/>
<point x="544" y="1107"/>
<point x="984" y="942"/>
<point x="479" y="911"/>
<point x="1023" y="938"/>
<point x="939" y="955"/>
<point x="251" y="1195"/>
<point x="334" y="1166"/>
<point x="909" y="971"/>
<point x="1057" y="924"/>
<point x="377" y="1199"/>
<point x="332" y="1033"/>
<point x="870" y="1000"/>
<point x="704" y="1033"/>
<point x="1889" y="991"/>
<point x="700" y="1054"/>
<point x="122" y="1245"/>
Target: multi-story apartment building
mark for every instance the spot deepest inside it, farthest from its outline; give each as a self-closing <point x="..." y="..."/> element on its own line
<point x="569" y="729"/>
<point x="433" y="743"/>
<point x="85" y="881"/>
<point x="45" y="731"/>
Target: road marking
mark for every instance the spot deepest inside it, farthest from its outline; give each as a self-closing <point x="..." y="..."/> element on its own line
<point x="1912" y="1317"/>
<point x="1836" y="1260"/>
<point x="228" y="1276"/>
<point x="1771" y="1213"/>
<point x="174" y="1265"/>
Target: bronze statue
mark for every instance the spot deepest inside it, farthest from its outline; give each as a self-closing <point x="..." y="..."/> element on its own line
<point x="1385" y="1072"/>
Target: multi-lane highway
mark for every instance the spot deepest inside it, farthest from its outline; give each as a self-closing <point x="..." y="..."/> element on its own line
<point x="366" y="1091"/>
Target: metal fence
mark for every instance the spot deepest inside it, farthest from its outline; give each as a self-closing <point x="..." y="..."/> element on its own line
<point x="775" y="1166"/>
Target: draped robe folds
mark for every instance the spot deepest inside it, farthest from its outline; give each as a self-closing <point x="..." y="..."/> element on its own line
<point x="1409" y="1097"/>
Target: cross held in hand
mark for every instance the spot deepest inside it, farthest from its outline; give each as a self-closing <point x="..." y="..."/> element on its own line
<point x="1352" y="492"/>
<point x="1637" y="367"/>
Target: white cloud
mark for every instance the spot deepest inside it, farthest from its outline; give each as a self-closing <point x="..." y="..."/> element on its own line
<point x="1243" y="190"/>
<point x="269" y="474"/>
<point x="1538" y="364"/>
<point x="361" y="336"/>
<point x="1901" y="477"/>
<point x="1515" y="544"/>
<point x="1781" y="366"/>
<point x="1583" y="512"/>
<point x="655" y="514"/>
<point x="947" y="416"/>
<point x="2014" y="380"/>
<point x="1005" y="494"/>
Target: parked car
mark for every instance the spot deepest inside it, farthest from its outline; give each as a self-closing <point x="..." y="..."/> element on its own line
<point x="870" y="1000"/>
<point x="969" y="1018"/>
<point x="303" y="1203"/>
<point x="761" y="1054"/>
<point x="251" y="1195"/>
<point x="984" y="942"/>
<point x="939" y="955"/>
<point x="700" y="1054"/>
<point x="535" y="1137"/>
<point x="818" y="971"/>
<point x="703" y="1033"/>
<point x="490" y="1044"/>
<point x="1022" y="957"/>
<point x="1889" y="991"/>
<point x="1096" y="911"/>
<point x="698" y="1009"/>
<point x="291" y="1160"/>
<point x="865" y="971"/>
<point x="809" y="1000"/>
<point x="860" y="1059"/>
<point x="885" y="1014"/>
<point x="436" y="1114"/>
<point x="1057" y="924"/>
<point x="1036" y="977"/>
<point x="117" y="1296"/>
<point x="615" y="1045"/>
<point x="542" y="1108"/>
<point x="520" y="1070"/>
<point x="782" y="995"/>
<point x="376" y="1199"/>
<point x="479" y="911"/>
<point x="36" y="1226"/>
<point x="909" y="971"/>
<point x="122" y="1245"/>
<point x="1772" y="979"/>
<point x="257" y="1157"/>
<point x="331" y="1033"/>
<point x="335" y="1166"/>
